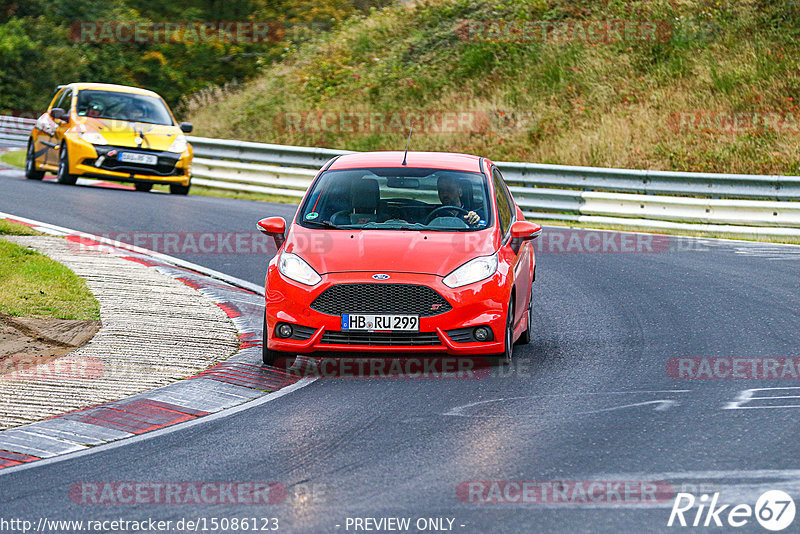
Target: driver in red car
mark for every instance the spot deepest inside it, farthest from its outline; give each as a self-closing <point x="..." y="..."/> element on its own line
<point x="451" y="193"/>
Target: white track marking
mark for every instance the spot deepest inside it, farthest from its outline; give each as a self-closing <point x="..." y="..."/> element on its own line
<point x="749" y="395"/>
<point x="459" y="411"/>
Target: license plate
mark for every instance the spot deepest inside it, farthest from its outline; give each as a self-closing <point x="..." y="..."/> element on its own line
<point x="387" y="323"/>
<point x="134" y="157"/>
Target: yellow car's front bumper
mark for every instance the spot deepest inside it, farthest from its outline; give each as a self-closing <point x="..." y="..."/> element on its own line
<point x="94" y="161"/>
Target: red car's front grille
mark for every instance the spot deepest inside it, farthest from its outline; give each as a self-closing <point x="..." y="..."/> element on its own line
<point x="385" y="339"/>
<point x="381" y="298"/>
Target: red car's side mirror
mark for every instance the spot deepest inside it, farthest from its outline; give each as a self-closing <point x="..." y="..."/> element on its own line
<point x="522" y="231"/>
<point x="275" y="227"/>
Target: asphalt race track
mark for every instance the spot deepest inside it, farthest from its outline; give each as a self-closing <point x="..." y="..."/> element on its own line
<point x="590" y="399"/>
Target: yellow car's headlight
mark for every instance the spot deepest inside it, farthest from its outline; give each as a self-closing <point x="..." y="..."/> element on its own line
<point x="92" y="136"/>
<point x="179" y="145"/>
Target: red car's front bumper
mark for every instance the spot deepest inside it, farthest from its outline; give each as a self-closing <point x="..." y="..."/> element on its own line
<point x="479" y="304"/>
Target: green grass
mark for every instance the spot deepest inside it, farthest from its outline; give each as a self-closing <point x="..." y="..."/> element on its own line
<point x="33" y="285"/>
<point x="12" y="228"/>
<point x="209" y="192"/>
<point x="14" y="157"/>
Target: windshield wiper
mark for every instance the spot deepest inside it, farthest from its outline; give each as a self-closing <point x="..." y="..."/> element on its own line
<point x="323" y="224"/>
<point x="395" y="226"/>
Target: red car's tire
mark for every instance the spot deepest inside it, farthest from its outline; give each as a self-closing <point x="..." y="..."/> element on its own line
<point x="504" y="358"/>
<point x="525" y="338"/>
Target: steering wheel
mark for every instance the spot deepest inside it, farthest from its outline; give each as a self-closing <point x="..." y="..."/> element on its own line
<point x="432" y="215"/>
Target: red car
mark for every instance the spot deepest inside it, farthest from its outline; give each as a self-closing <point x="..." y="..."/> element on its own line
<point x="393" y="253"/>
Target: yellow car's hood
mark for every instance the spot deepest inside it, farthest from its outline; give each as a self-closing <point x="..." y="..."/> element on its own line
<point x="131" y="134"/>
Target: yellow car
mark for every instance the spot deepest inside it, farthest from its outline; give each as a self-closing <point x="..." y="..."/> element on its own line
<point x="112" y="132"/>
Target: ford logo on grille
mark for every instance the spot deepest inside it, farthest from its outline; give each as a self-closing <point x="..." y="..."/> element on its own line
<point x="380" y="276"/>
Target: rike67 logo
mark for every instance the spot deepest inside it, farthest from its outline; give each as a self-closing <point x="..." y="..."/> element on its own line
<point x="774" y="510"/>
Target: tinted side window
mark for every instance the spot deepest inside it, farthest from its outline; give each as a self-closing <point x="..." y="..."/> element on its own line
<point x="57" y="98"/>
<point x="509" y="196"/>
<point x="503" y="207"/>
<point x="66" y="100"/>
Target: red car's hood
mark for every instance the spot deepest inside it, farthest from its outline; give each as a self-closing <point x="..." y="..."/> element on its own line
<point x="379" y="251"/>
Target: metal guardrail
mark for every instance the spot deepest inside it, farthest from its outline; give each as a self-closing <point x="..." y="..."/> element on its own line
<point x="742" y="204"/>
<point x="282" y="155"/>
<point x="701" y="184"/>
<point x="14" y="131"/>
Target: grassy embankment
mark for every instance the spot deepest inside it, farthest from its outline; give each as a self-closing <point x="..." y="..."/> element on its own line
<point x="33" y="285"/>
<point x="14" y="157"/>
<point x="612" y="104"/>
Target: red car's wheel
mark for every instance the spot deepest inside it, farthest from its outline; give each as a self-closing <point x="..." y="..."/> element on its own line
<point x="505" y="357"/>
<point x="525" y="338"/>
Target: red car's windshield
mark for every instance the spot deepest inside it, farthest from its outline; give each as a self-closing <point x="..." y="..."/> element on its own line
<point x="398" y="199"/>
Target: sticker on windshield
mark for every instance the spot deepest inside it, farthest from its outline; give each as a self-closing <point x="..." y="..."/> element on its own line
<point x="312" y="215"/>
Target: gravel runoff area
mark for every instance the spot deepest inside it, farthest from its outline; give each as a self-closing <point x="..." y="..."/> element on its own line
<point x="155" y="330"/>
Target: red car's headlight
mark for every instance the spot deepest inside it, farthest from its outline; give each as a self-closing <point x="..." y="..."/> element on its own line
<point x="473" y="271"/>
<point x="294" y="267"/>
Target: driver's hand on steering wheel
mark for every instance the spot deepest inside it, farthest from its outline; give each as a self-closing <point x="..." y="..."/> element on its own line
<point x="472" y="217"/>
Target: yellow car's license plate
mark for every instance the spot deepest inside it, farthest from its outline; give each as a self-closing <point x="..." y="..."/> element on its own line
<point x="134" y="157"/>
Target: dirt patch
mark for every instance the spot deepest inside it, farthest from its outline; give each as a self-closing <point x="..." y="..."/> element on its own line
<point x="40" y="340"/>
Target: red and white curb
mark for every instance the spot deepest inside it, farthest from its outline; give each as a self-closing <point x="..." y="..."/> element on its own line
<point x="239" y="383"/>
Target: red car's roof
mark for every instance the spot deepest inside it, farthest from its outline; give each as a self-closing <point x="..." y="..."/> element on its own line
<point x="427" y="160"/>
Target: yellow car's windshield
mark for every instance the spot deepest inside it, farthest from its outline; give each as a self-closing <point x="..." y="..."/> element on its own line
<point x="122" y="106"/>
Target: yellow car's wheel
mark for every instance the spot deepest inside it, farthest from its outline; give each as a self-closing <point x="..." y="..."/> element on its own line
<point x="30" y="164"/>
<point x="63" y="176"/>
<point x="178" y="189"/>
